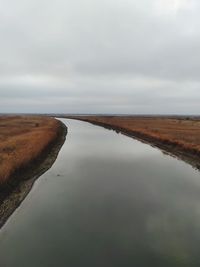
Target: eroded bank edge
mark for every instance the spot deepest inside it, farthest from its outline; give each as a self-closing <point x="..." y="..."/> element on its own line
<point x="23" y="180"/>
<point x="167" y="148"/>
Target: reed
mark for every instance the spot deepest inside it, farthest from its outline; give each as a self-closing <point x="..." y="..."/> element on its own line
<point x="177" y="132"/>
<point x="22" y="140"/>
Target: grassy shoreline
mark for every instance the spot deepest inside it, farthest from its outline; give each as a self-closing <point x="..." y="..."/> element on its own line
<point x="12" y="193"/>
<point x="168" y="143"/>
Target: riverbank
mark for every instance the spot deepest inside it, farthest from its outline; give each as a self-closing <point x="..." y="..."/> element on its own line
<point x="20" y="182"/>
<point x="179" y="137"/>
<point x="118" y="198"/>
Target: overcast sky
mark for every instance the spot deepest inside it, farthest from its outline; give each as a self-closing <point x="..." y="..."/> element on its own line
<point x="100" y="56"/>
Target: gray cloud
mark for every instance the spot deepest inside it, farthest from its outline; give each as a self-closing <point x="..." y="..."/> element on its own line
<point x="109" y="56"/>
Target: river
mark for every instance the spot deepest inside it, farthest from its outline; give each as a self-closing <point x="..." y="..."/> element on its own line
<point x="107" y="201"/>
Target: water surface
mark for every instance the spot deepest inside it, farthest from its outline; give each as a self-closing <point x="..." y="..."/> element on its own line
<point x="108" y="201"/>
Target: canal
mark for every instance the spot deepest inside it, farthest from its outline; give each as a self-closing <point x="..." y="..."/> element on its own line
<point x="108" y="201"/>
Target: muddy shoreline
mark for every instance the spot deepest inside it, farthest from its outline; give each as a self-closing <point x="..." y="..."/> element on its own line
<point x="14" y="192"/>
<point x="171" y="149"/>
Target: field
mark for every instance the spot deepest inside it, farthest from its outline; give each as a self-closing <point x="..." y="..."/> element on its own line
<point x="178" y="134"/>
<point x="22" y="140"/>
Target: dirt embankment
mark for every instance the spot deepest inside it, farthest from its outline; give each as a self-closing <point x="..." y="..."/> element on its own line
<point x="177" y="136"/>
<point x="28" y="147"/>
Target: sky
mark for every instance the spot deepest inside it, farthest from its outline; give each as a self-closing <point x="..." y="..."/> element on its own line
<point x="100" y="56"/>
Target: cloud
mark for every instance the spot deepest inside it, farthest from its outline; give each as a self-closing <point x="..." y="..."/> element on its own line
<point x="171" y="7"/>
<point x="99" y="56"/>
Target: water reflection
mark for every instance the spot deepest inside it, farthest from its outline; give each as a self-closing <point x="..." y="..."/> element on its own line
<point x="116" y="202"/>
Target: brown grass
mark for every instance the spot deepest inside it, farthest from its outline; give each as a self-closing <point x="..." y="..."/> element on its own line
<point x="22" y="140"/>
<point x="180" y="133"/>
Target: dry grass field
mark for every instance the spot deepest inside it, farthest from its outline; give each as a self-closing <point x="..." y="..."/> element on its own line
<point x="22" y="140"/>
<point x="180" y="133"/>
